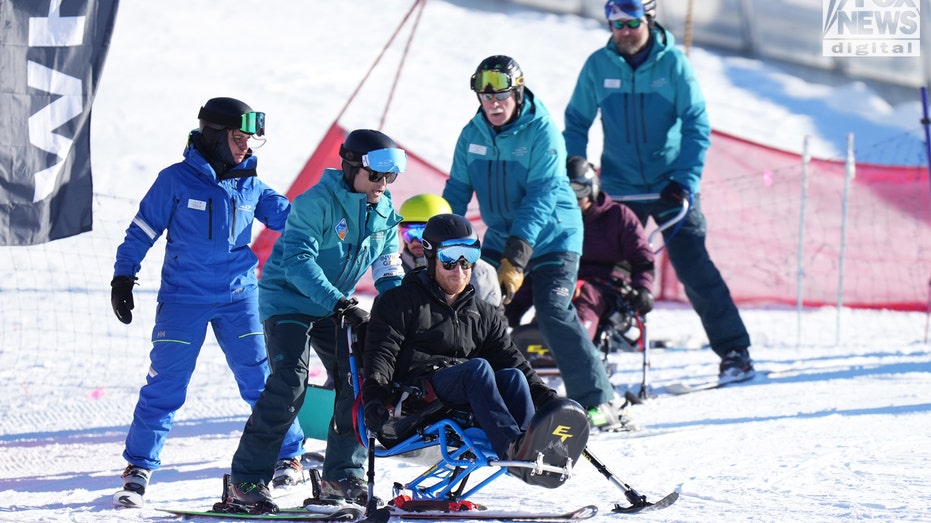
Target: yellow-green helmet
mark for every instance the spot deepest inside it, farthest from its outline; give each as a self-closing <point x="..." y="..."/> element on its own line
<point x="420" y="208"/>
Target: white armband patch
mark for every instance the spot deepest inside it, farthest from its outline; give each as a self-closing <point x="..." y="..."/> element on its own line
<point x="386" y="266"/>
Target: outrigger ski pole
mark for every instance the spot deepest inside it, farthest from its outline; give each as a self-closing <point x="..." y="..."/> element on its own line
<point x="638" y="502"/>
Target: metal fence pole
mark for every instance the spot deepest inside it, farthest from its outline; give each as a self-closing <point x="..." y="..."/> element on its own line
<point x="849" y="174"/>
<point x="800" y="263"/>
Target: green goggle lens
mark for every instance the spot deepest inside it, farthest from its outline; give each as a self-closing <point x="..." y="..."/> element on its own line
<point x="620" y="24"/>
<point x="253" y="123"/>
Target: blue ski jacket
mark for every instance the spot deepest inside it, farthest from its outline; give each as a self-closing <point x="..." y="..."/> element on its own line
<point x="518" y="175"/>
<point x="209" y="221"/>
<point x="332" y="237"/>
<point x="655" y="126"/>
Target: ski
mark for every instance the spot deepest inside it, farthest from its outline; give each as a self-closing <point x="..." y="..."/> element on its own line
<point x="296" y="514"/>
<point x="678" y="389"/>
<point x="647" y="507"/>
<point x="580" y="513"/>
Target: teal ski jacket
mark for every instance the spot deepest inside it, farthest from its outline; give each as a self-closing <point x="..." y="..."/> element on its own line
<point x="653" y="117"/>
<point x="518" y="175"/>
<point x="331" y="238"/>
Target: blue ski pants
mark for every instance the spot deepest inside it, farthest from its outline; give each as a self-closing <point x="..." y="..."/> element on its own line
<point x="500" y="401"/>
<point x="179" y="333"/>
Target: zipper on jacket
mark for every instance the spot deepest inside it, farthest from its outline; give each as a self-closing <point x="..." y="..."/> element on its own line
<point x="504" y="187"/>
<point x="233" y="227"/>
<point x="347" y="261"/>
<point x="643" y="118"/>
<point x="210" y="218"/>
<point x="639" y="112"/>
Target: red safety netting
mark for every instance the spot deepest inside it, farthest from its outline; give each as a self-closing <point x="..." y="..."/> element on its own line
<point x="752" y="198"/>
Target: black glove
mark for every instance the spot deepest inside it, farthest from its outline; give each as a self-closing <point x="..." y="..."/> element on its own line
<point x="121" y="297"/>
<point x="348" y="310"/>
<point x="641" y="300"/>
<point x="375" y="415"/>
<point x="518" y="252"/>
<point x="547" y="396"/>
<point x="675" y="193"/>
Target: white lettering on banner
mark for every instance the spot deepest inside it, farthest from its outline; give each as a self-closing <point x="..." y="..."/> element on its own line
<point x="54" y="31"/>
<point x="871" y="28"/>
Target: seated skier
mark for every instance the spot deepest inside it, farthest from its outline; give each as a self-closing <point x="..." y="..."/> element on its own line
<point x="415" y="212"/>
<point x="433" y="331"/>
<point x="615" y="246"/>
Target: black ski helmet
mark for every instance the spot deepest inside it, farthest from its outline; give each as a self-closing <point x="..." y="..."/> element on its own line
<point x="357" y="144"/>
<point x="441" y="228"/>
<point x="583" y="178"/>
<point x="216" y="116"/>
<point x="226" y="113"/>
<point x="503" y="64"/>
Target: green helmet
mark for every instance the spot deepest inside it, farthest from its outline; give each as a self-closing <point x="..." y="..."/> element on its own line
<point x="420" y="208"/>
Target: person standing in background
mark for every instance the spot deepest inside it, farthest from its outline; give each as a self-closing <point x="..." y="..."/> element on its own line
<point x="656" y="133"/>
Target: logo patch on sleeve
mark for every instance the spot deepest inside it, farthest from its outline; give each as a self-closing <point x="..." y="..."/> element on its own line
<point x="342" y="229"/>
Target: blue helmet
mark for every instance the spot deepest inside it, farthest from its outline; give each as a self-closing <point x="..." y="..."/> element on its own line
<point x="631" y="8"/>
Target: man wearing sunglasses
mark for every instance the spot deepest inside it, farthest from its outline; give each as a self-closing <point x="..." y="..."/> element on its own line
<point x="512" y="158"/>
<point x="433" y="329"/>
<point x="656" y="133"/>
<point x="415" y="211"/>
<point x="207" y="204"/>
<point x="337" y="230"/>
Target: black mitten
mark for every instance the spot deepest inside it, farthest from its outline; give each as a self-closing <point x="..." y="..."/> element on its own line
<point x="121" y="297"/>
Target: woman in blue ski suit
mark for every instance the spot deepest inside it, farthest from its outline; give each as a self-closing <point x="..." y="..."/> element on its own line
<point x="207" y="203"/>
<point x="512" y="157"/>
<point x="338" y="229"/>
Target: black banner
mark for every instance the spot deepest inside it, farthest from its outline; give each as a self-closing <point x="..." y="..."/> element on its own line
<point x="51" y="59"/>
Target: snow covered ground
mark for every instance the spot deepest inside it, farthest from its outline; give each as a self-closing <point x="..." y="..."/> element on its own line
<point x="835" y="431"/>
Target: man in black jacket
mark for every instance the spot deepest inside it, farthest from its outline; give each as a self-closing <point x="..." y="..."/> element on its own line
<point x="433" y="328"/>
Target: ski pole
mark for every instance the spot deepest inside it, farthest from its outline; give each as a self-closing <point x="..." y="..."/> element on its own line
<point x="633" y="497"/>
<point x="372" y="503"/>
<point x="645" y="347"/>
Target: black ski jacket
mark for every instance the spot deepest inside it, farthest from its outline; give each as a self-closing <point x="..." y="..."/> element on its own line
<point x="414" y="332"/>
